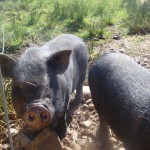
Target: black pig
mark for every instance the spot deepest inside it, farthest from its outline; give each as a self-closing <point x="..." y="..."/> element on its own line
<point x="120" y="89"/>
<point x="43" y="79"/>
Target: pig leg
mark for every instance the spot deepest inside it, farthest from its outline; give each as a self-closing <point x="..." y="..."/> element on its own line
<point x="79" y="90"/>
<point x="79" y="94"/>
<point x="61" y="128"/>
<point x="74" y="103"/>
<point x="103" y="135"/>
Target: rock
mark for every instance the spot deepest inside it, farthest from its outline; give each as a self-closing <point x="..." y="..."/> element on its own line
<point x="144" y="64"/>
<point x="121" y="148"/>
<point x="145" y="60"/>
<point x="66" y="148"/>
<point x="66" y="141"/>
<point x="20" y="141"/>
<point x="91" y="107"/>
<point x="47" y="139"/>
<point x="85" y="106"/>
<point x="116" y="37"/>
<point x="92" y="146"/>
<point x="72" y="125"/>
<point x="122" y="50"/>
<point x="86" y="123"/>
<point x="137" y="60"/>
<point x="78" y="112"/>
<point x="13" y="131"/>
<point x="86" y="92"/>
<point x="82" y="142"/>
<point x="84" y="137"/>
<point x="4" y="147"/>
<point x="113" y="140"/>
<point x="75" y="146"/>
<point x="89" y="101"/>
<point x="74" y="135"/>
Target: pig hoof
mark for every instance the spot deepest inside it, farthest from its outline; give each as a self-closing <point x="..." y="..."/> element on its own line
<point x="62" y="135"/>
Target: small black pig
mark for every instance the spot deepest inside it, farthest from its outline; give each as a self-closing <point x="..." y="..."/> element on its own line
<point x="43" y="79"/>
<point x="120" y="89"/>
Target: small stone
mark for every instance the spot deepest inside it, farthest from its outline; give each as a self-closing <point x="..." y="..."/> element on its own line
<point x="137" y="60"/>
<point x="144" y="64"/>
<point x="72" y="125"/>
<point x="88" y="101"/>
<point x="91" y="107"/>
<point x="67" y="141"/>
<point x="4" y="146"/>
<point x="145" y="60"/>
<point x="66" y="148"/>
<point x="13" y="131"/>
<point x="116" y="37"/>
<point x="113" y="139"/>
<point x="84" y="137"/>
<point x="85" y="106"/>
<point x="121" y="148"/>
<point x="90" y="139"/>
<point x="46" y="140"/>
<point x="77" y="112"/>
<point x="86" y="123"/>
<point x="75" y="146"/>
<point x="20" y="140"/>
<point x="92" y="146"/>
<point x="82" y="142"/>
<point x="121" y="50"/>
<point x="74" y="135"/>
<point x="93" y="113"/>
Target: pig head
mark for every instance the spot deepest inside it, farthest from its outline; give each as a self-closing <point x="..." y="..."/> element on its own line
<point x="36" y="80"/>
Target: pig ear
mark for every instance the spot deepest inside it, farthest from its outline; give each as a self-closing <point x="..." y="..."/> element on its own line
<point x="7" y="64"/>
<point x="59" y="61"/>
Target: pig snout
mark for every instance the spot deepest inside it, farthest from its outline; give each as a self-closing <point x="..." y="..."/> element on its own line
<point x="37" y="117"/>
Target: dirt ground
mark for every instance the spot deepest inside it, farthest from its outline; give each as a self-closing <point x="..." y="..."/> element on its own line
<point x="82" y="129"/>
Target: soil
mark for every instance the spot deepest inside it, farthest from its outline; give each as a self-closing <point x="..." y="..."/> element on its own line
<point x="85" y="122"/>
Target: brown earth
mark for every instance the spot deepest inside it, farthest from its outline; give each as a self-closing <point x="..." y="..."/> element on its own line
<point x="82" y="129"/>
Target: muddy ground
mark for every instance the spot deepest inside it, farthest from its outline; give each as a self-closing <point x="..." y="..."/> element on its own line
<point x="82" y="129"/>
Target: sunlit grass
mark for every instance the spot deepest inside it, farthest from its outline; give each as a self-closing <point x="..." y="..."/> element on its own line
<point x="38" y="21"/>
<point x="138" y="19"/>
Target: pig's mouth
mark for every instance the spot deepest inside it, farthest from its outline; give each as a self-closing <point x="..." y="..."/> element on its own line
<point x="36" y="117"/>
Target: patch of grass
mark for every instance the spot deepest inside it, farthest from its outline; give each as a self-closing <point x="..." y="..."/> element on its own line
<point x="72" y="12"/>
<point x="138" y="20"/>
<point x="38" y="21"/>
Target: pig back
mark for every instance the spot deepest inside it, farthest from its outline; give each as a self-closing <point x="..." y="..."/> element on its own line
<point x="120" y="90"/>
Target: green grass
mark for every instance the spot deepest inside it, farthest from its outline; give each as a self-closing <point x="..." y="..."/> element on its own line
<point x="138" y="19"/>
<point x="38" y="21"/>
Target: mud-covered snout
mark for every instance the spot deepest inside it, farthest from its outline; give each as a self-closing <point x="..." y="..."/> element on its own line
<point x="37" y="116"/>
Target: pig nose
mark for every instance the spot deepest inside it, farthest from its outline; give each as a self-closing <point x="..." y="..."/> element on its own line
<point x="34" y="115"/>
<point x="37" y="117"/>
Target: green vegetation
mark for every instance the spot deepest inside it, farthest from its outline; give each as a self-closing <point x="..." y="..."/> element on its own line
<point x="138" y="19"/>
<point x="34" y="21"/>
